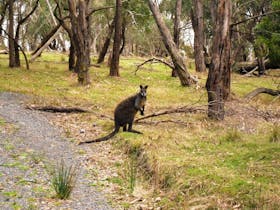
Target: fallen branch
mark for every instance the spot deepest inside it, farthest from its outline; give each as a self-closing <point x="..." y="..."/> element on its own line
<point x="153" y="60"/>
<point x="4" y="51"/>
<point x="183" y="109"/>
<point x="257" y="91"/>
<point x="252" y="71"/>
<point x="164" y="121"/>
<point x="58" y="109"/>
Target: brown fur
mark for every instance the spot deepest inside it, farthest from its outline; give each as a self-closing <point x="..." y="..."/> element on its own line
<point x="125" y="113"/>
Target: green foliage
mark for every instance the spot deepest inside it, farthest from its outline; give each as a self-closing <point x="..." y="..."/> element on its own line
<point x="63" y="180"/>
<point x="268" y="32"/>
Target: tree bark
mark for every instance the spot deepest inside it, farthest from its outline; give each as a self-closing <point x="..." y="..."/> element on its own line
<point x="80" y="27"/>
<point x="198" y="27"/>
<point x="185" y="78"/>
<point x="114" y="67"/>
<point x="176" y="28"/>
<point x="17" y="35"/>
<point x="72" y="56"/>
<point x="218" y="81"/>
<point x="11" y="35"/>
<point x="123" y="38"/>
<point x="106" y="44"/>
<point x="61" y="40"/>
<point x="2" y="18"/>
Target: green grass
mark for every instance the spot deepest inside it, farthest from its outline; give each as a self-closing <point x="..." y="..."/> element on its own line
<point x="63" y="180"/>
<point x="198" y="162"/>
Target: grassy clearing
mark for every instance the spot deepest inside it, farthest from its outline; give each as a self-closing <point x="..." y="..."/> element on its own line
<point x="227" y="164"/>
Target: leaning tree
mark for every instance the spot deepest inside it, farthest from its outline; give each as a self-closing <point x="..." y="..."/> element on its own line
<point x="185" y="78"/>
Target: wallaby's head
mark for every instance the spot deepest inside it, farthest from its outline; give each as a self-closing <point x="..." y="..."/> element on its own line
<point x="143" y="90"/>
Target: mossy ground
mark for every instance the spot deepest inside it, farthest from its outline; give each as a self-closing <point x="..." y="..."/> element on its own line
<point x="193" y="160"/>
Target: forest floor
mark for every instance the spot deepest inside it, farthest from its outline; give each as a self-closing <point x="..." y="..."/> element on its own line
<point x="182" y="161"/>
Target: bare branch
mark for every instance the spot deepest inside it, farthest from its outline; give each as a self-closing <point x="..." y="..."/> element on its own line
<point x="254" y="17"/>
<point x="184" y="109"/>
<point x="152" y="60"/>
<point x="99" y="9"/>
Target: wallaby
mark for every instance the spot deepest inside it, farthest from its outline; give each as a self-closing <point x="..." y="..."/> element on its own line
<point x="125" y="113"/>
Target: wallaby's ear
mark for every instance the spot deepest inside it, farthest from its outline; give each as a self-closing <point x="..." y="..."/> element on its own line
<point x="146" y="87"/>
<point x="141" y="86"/>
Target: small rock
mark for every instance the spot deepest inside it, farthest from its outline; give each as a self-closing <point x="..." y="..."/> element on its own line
<point x="82" y="131"/>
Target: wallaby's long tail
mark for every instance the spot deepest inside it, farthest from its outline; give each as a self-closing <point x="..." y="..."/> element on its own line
<point x="105" y="138"/>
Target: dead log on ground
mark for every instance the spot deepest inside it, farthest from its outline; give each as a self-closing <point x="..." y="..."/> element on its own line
<point x="58" y="109"/>
<point x="4" y="52"/>
<point x="257" y="91"/>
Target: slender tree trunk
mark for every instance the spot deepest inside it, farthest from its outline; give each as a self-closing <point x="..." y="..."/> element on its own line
<point x="185" y="78"/>
<point x="17" y="58"/>
<point x="17" y="35"/>
<point x="123" y="38"/>
<point x="106" y="43"/>
<point x="218" y="81"/>
<point x="61" y="40"/>
<point x="11" y="35"/>
<point x="114" y="68"/>
<point x="72" y="56"/>
<point x="177" y="30"/>
<point x="81" y="40"/>
<point x="2" y="18"/>
<point x="178" y="11"/>
<point x="198" y="26"/>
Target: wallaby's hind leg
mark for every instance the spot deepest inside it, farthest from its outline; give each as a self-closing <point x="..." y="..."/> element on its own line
<point x="124" y="128"/>
<point x="131" y="130"/>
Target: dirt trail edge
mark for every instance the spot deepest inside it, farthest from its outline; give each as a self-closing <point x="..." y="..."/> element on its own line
<point x="27" y="152"/>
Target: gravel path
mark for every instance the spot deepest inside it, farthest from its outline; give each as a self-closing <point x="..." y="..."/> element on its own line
<point x="25" y="156"/>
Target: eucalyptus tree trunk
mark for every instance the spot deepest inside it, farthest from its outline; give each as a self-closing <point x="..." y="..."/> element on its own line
<point x="72" y="56"/>
<point x="198" y="27"/>
<point x="106" y="44"/>
<point x="81" y="29"/>
<point x="185" y="78"/>
<point x="176" y="28"/>
<point x="3" y="8"/>
<point x="178" y="12"/>
<point x="123" y="38"/>
<point x="114" y="67"/>
<point x="11" y="35"/>
<point x="17" y="35"/>
<point x="218" y="81"/>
